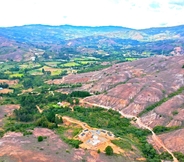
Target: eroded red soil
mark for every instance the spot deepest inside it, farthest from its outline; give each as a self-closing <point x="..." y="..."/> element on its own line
<point x="172" y="140"/>
<point x="18" y="148"/>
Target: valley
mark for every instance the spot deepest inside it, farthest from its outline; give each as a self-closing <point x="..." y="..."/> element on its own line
<point x="91" y="94"/>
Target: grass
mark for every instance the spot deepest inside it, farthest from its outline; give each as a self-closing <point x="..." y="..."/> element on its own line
<point x="130" y="59"/>
<point x="5" y="67"/>
<point x="16" y="75"/>
<point x="61" y="131"/>
<point x="86" y="59"/>
<point x="54" y="71"/>
<point x="57" y="72"/>
<point x="70" y="64"/>
<point x="76" y="131"/>
<point x="36" y="72"/>
<point x="123" y="143"/>
<point x="84" y="62"/>
<point x="52" y="64"/>
<point x="29" y="65"/>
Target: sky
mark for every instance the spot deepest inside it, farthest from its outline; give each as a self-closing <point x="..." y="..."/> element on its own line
<point x="136" y="14"/>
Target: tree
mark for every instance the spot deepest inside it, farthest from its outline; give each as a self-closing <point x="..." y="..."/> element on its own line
<point x="43" y="70"/>
<point x="40" y="138"/>
<point x="109" y="150"/>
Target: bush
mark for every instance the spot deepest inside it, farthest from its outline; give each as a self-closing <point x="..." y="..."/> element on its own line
<point x="109" y="150"/>
<point x="175" y="112"/>
<point x="40" y="138"/>
<point x="179" y="156"/>
<point x="161" y="129"/>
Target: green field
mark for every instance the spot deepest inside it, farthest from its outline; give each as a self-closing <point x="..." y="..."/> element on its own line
<point x="130" y="59"/>
<point x="17" y="75"/>
<point x="29" y="65"/>
<point x="70" y="64"/>
<point x="86" y="59"/>
<point x="52" y="64"/>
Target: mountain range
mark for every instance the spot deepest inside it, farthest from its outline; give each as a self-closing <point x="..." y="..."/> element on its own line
<point x="25" y="41"/>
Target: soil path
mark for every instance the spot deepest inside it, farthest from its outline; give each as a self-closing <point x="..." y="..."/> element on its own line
<point x="40" y="111"/>
<point x="141" y="125"/>
<point x="71" y="120"/>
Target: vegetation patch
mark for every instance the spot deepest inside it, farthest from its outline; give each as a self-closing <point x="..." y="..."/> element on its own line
<point x="70" y="64"/>
<point x="123" y="143"/>
<point x="162" y="129"/>
<point x="16" y="75"/>
<point x="40" y="138"/>
<point x="109" y="150"/>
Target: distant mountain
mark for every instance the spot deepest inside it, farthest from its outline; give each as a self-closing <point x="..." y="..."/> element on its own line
<point x="106" y="39"/>
<point x="53" y="34"/>
<point x="175" y="29"/>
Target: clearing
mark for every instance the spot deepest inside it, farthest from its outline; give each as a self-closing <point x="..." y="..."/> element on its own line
<point x="93" y="138"/>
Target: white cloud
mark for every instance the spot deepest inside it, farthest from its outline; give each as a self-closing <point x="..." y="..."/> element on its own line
<point x="128" y="13"/>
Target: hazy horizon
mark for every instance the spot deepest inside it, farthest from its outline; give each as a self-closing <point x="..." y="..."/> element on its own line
<point x="89" y="26"/>
<point x="125" y="13"/>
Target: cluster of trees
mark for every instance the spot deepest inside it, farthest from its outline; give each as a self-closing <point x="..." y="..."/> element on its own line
<point x="15" y="68"/>
<point x="4" y="76"/>
<point x="167" y="156"/>
<point x="43" y="121"/>
<point x="162" y="129"/>
<point x="28" y="108"/>
<point x="179" y="156"/>
<point x="4" y="85"/>
<point x="32" y="81"/>
<point x="81" y="94"/>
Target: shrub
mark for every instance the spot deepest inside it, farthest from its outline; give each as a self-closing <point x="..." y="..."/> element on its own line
<point x="175" y="112"/>
<point x="109" y="150"/>
<point x="40" y="138"/>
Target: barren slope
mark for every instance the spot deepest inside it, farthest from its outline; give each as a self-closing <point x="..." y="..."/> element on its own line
<point x="12" y="50"/>
<point x="170" y="113"/>
<point x="130" y="87"/>
<point x="18" y="148"/>
<point x="173" y="141"/>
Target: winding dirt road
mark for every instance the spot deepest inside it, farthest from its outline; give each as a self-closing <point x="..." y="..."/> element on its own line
<point x="141" y="125"/>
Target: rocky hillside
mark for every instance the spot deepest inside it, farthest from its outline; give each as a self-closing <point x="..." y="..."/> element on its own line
<point x="132" y="87"/>
<point x="151" y="88"/>
<point x="13" y="50"/>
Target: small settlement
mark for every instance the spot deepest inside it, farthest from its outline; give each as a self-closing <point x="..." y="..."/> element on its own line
<point x="93" y="138"/>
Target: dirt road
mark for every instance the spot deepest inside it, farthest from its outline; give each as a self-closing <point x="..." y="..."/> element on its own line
<point x="40" y="111"/>
<point x="141" y="125"/>
<point x="71" y="120"/>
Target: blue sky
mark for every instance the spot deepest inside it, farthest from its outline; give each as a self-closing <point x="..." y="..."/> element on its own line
<point x="128" y="13"/>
